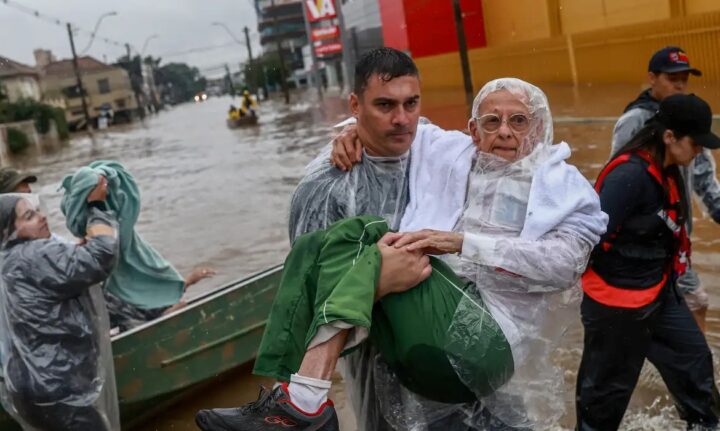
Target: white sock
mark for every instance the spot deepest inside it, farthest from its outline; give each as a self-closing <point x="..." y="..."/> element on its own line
<point x="308" y="394"/>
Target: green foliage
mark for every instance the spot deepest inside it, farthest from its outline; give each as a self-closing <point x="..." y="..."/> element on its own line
<point x="17" y="140"/>
<point x="179" y="81"/>
<point x="27" y="109"/>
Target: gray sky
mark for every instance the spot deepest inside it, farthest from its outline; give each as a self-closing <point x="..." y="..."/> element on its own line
<point x="181" y="25"/>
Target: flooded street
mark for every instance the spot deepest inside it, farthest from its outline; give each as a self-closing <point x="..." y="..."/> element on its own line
<point x="220" y="197"/>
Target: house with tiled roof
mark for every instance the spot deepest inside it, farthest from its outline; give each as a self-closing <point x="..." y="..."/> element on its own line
<point x="18" y="81"/>
<point x="106" y="87"/>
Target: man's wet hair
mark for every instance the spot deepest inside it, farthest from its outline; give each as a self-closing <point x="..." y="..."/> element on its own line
<point x="388" y="63"/>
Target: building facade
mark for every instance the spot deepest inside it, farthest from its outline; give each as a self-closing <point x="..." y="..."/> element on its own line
<point x="106" y="88"/>
<point x="18" y="81"/>
<point x="563" y="41"/>
<point x="282" y="21"/>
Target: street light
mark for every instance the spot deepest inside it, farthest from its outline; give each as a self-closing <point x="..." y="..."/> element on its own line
<point x="149" y="38"/>
<point x="97" y="25"/>
<point x="219" y="24"/>
<point x="247" y="41"/>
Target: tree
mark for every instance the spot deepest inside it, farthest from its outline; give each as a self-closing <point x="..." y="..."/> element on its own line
<point x="3" y="93"/>
<point x="179" y="82"/>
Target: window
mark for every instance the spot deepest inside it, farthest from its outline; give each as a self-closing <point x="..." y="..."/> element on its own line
<point x="71" y="92"/>
<point x="103" y="86"/>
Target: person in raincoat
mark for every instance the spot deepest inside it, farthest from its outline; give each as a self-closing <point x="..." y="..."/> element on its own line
<point x="669" y="71"/>
<point x="632" y="308"/>
<point x="57" y="368"/>
<point x="548" y="255"/>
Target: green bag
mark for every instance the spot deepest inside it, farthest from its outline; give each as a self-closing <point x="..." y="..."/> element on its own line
<point x="428" y="335"/>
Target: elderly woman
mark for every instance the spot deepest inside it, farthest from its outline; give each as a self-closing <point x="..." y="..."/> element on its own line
<point x="523" y="223"/>
<point x="57" y="370"/>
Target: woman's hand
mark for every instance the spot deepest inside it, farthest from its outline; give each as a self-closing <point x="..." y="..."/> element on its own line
<point x="347" y="149"/>
<point x="198" y="274"/>
<point x="99" y="193"/>
<point x="431" y="241"/>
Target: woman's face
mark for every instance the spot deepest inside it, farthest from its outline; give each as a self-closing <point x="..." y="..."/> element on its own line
<point x="502" y="125"/>
<point x="29" y="222"/>
<point x="679" y="151"/>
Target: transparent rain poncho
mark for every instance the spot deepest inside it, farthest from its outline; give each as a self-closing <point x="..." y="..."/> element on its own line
<point x="55" y="353"/>
<point x="377" y="186"/>
<point x="529" y="225"/>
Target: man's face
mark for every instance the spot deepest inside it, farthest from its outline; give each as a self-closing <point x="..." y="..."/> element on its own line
<point x="387" y="114"/>
<point x="664" y="84"/>
<point x="501" y="126"/>
<point x="29" y="222"/>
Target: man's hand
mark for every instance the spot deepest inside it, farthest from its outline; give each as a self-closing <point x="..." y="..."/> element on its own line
<point x="401" y="269"/>
<point x="347" y="149"/>
<point x="430" y="241"/>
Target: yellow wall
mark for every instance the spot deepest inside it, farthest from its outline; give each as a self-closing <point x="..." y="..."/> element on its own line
<point x="584" y="15"/>
<point x="701" y="6"/>
<point x="515" y="21"/>
<point x="608" y="55"/>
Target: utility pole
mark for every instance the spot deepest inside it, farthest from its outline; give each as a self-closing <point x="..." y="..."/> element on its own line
<point x="133" y="82"/>
<point x="283" y="73"/>
<point x="76" y="68"/>
<point x="464" y="61"/>
<point x="313" y="55"/>
<point x="253" y="73"/>
<point x="230" y="81"/>
<point x="347" y="54"/>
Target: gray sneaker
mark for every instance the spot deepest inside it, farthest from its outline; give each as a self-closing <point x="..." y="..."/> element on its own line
<point x="273" y="410"/>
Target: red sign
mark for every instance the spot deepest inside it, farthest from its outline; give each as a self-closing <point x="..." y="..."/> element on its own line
<point x="332" y="32"/>
<point x="328" y="49"/>
<point x="319" y="10"/>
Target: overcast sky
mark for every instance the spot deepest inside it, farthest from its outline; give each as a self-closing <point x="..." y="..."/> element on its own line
<point x="182" y="25"/>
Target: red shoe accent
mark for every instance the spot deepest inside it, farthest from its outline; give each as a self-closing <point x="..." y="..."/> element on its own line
<point x="279" y="420"/>
<point x="289" y="401"/>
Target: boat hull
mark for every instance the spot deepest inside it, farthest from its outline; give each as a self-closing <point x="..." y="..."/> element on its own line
<point x="242" y="122"/>
<point x="157" y="363"/>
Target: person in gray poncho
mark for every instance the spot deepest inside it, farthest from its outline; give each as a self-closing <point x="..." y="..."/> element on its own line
<point x="57" y="370"/>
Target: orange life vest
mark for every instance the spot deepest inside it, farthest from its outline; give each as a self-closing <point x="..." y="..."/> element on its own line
<point x="597" y="288"/>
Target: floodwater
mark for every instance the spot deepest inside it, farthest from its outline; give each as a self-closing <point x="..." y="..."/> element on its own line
<point x="220" y="197"/>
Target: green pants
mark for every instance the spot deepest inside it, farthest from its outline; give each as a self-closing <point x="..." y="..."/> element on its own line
<point x="438" y="337"/>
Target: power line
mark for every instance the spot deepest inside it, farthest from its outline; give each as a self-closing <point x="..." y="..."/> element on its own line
<point x="57" y="21"/>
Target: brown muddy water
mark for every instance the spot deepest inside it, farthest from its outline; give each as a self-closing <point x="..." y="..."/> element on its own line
<point x="220" y="197"/>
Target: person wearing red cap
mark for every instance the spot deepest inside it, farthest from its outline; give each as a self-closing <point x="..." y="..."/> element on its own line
<point x="631" y="310"/>
<point x="668" y="74"/>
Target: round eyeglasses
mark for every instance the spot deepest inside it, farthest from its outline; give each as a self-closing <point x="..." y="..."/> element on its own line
<point x="490" y="123"/>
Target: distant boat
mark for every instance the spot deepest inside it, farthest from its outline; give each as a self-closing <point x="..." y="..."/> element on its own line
<point x="248" y="120"/>
<point x="157" y="363"/>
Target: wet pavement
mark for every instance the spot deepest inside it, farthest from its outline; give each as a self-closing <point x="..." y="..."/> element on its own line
<point x="220" y="197"/>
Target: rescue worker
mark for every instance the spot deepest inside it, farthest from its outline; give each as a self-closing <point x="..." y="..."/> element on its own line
<point x="57" y="366"/>
<point x="522" y="126"/>
<point x="233" y="113"/>
<point x="631" y="309"/>
<point x="247" y="104"/>
<point x="668" y="73"/>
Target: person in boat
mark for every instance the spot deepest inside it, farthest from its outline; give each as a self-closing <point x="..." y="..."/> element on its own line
<point x="143" y="286"/>
<point x="233" y="113"/>
<point x="248" y="105"/>
<point x="668" y="73"/>
<point x="55" y="356"/>
<point x="392" y="99"/>
<point x="631" y="309"/>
